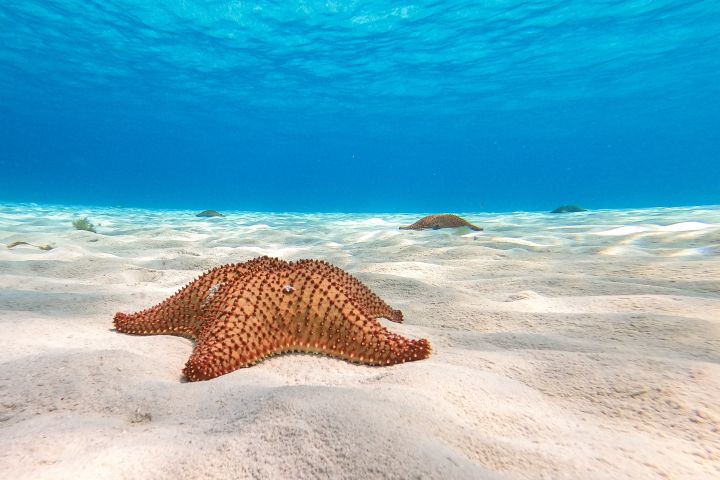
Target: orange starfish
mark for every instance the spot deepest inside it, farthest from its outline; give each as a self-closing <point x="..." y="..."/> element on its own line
<point x="441" y="221"/>
<point x="242" y="313"/>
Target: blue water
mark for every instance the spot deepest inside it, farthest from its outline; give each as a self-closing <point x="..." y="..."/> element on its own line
<point x="360" y="106"/>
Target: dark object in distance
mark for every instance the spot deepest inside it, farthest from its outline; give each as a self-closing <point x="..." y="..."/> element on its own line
<point x="209" y="213"/>
<point x="568" y="209"/>
<point x="441" y="221"/>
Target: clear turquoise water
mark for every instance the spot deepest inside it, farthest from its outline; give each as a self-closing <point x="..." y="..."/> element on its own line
<point x="360" y="106"/>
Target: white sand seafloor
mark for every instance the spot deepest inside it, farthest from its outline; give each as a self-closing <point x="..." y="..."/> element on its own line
<point x="575" y="346"/>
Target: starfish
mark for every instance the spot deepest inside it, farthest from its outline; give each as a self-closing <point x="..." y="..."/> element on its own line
<point x="568" y="209"/>
<point x="440" y="221"/>
<point x="239" y="314"/>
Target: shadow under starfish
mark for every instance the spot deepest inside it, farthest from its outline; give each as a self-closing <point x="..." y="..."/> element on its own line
<point x="239" y="314"/>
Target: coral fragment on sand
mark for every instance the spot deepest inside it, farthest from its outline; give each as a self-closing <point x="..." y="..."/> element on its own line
<point x="84" y="224"/>
<point x="21" y="243"/>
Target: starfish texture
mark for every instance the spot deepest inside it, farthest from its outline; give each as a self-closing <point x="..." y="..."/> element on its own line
<point x="440" y="221"/>
<point x="239" y="314"/>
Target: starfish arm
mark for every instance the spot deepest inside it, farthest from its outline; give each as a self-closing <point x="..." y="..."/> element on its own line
<point x="149" y="323"/>
<point x="340" y="328"/>
<point x="389" y="314"/>
<point x="179" y="314"/>
<point x="217" y="353"/>
<point x="365" y="340"/>
<point x="231" y="336"/>
<point x="475" y="228"/>
<point x="368" y="300"/>
<point x="374" y="306"/>
<point x="391" y="348"/>
<point x="210" y="359"/>
<point x="175" y="315"/>
<point x="228" y="343"/>
<point x="370" y="303"/>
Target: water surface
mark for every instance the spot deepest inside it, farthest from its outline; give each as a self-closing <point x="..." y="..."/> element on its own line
<point x="360" y="106"/>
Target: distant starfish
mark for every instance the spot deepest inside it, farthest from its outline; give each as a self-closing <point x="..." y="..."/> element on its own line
<point x="440" y="221"/>
<point x="239" y="314"/>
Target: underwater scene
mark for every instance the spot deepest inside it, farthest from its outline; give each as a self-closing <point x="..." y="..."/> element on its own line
<point x="360" y="240"/>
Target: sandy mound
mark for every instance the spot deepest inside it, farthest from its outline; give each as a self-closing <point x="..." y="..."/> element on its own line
<point x="558" y="352"/>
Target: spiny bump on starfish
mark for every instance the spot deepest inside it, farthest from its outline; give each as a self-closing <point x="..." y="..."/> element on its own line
<point x="242" y="313"/>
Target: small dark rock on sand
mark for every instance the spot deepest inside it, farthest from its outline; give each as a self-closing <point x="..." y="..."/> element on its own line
<point x="209" y="213"/>
<point x="568" y="209"/>
<point x="441" y="221"/>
